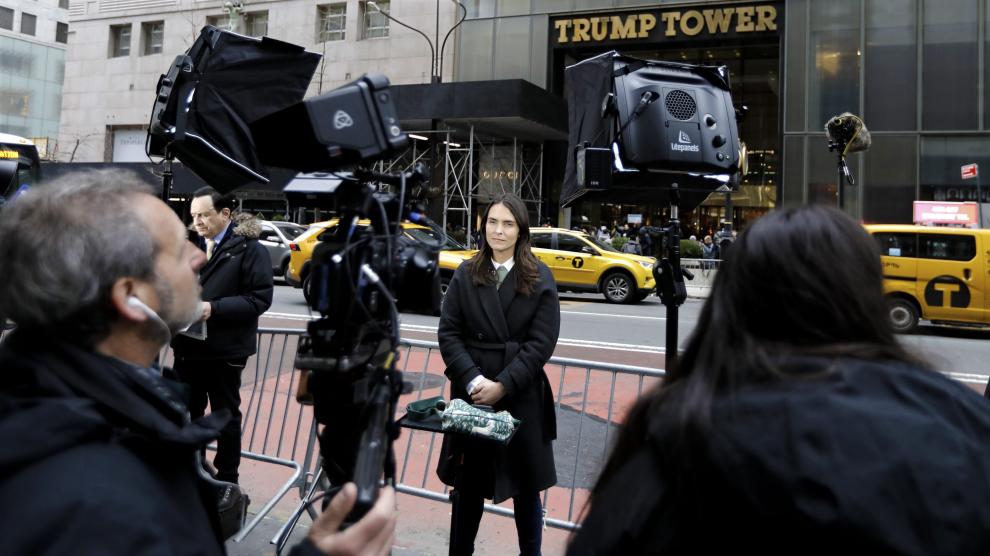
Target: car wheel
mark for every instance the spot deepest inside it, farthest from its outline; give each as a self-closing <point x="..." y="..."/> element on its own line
<point x="618" y="288"/>
<point x="444" y="283"/>
<point x="903" y="315"/>
<point x="306" y="285"/>
<point x="284" y="271"/>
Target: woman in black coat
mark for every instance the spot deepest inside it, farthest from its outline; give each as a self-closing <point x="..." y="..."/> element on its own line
<point x="499" y="326"/>
<point x="795" y="422"/>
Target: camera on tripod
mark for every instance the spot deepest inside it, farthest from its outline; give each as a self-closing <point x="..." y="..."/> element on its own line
<point x="231" y="135"/>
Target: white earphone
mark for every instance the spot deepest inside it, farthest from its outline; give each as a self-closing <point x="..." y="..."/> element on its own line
<point x="133" y="301"/>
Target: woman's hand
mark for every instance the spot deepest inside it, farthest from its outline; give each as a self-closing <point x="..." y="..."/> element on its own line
<point x="488" y="393"/>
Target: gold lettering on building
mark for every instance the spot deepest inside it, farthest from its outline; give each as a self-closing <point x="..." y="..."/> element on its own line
<point x="744" y="19"/>
<point x="646" y="23"/>
<point x="599" y="28"/>
<point x="623" y="28"/>
<point x="718" y="20"/>
<point x="766" y="18"/>
<point x="690" y="23"/>
<point x="670" y="18"/>
<point x="581" y="27"/>
<point x="562" y="26"/>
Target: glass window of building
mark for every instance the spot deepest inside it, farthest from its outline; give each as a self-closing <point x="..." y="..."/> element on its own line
<point x="64" y="4"/>
<point x="6" y="18"/>
<point x="889" y="179"/>
<point x="120" y="40"/>
<point x="332" y="20"/>
<point x="891" y="72"/>
<point x="61" y="32"/>
<point x="834" y="86"/>
<point x="374" y="23"/>
<point x="951" y="65"/>
<point x="256" y="24"/>
<point x="940" y="164"/>
<point x="219" y="21"/>
<point x="152" y="37"/>
<point x="29" y="24"/>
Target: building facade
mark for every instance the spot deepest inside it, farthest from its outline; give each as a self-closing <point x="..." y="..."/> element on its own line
<point x="118" y="49"/>
<point x="915" y="70"/>
<point x="33" y="36"/>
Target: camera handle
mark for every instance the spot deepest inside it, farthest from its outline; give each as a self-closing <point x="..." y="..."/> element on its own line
<point x="670" y="276"/>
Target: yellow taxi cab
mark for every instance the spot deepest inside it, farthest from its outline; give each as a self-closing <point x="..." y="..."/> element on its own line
<point x="297" y="274"/>
<point x="934" y="273"/>
<point x="582" y="263"/>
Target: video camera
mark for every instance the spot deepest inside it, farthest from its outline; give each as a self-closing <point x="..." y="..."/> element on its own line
<point x="231" y="109"/>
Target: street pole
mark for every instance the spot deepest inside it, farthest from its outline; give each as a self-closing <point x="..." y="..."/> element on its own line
<point x="979" y="198"/>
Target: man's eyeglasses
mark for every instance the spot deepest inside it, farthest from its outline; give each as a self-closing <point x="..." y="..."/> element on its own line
<point x="203" y="215"/>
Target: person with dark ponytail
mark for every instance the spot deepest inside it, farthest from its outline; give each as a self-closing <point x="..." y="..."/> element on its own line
<point x="498" y="328"/>
<point x="795" y="422"/>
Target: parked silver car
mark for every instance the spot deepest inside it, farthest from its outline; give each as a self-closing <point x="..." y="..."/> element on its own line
<point x="275" y="236"/>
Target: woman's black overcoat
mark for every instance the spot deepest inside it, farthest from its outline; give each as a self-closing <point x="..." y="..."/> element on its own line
<point x="507" y="337"/>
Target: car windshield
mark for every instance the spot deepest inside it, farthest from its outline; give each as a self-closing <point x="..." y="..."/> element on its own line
<point x="290" y="231"/>
<point x="431" y="237"/>
<point x="603" y="245"/>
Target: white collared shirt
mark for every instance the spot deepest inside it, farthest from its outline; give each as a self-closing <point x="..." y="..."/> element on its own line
<point x="507" y="264"/>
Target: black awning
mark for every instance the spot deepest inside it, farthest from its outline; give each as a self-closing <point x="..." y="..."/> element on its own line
<point x="505" y="108"/>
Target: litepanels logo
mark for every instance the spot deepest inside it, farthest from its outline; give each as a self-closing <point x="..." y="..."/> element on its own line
<point x="684" y="143"/>
<point x="342" y="119"/>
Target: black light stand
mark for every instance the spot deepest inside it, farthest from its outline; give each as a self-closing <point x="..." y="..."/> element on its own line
<point x="843" y="169"/>
<point x="167" y="176"/>
<point x="670" y="277"/>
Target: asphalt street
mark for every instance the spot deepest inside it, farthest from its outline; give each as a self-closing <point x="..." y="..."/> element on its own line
<point x="592" y="328"/>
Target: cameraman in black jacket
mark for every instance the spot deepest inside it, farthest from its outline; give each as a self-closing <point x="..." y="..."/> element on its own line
<point x="99" y="453"/>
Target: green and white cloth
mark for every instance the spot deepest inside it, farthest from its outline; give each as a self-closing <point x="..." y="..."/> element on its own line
<point x="461" y="417"/>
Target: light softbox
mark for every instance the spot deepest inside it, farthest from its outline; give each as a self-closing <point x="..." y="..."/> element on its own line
<point x="655" y="123"/>
<point x="211" y="95"/>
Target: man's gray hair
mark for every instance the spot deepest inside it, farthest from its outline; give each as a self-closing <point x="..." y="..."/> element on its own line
<point x="63" y="244"/>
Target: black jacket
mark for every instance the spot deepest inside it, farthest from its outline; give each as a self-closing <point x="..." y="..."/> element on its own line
<point x="97" y="458"/>
<point x="237" y="282"/>
<point x="507" y="337"/>
<point x="867" y="458"/>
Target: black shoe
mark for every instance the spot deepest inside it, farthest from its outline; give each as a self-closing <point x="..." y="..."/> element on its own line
<point x="232" y="505"/>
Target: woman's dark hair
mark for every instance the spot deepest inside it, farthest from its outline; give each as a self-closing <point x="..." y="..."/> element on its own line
<point x="524" y="261"/>
<point x="801" y="281"/>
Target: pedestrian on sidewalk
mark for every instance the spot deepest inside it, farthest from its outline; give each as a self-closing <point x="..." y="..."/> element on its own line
<point x="795" y="422"/>
<point x="498" y="328"/>
<point x="237" y="288"/>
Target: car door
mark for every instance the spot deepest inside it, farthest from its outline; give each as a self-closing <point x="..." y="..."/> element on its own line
<point x="272" y="241"/>
<point x="571" y="261"/>
<point x="950" y="280"/>
<point x="542" y="245"/>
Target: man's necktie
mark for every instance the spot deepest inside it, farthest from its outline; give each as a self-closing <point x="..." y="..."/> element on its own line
<point x="501" y="272"/>
<point x="210" y="244"/>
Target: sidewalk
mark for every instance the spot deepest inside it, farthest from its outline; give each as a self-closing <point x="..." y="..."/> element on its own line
<point x="421" y="531"/>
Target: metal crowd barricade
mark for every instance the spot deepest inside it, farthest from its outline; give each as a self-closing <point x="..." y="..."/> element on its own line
<point x="275" y="428"/>
<point x="704" y="271"/>
<point x="591" y="399"/>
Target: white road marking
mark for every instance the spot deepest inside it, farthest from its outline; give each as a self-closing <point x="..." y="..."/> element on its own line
<point x="974" y="378"/>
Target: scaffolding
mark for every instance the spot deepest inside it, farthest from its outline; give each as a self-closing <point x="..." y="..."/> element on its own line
<point x="475" y="171"/>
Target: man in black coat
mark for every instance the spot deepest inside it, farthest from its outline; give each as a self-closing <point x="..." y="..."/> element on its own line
<point x="99" y="453"/>
<point x="237" y="289"/>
